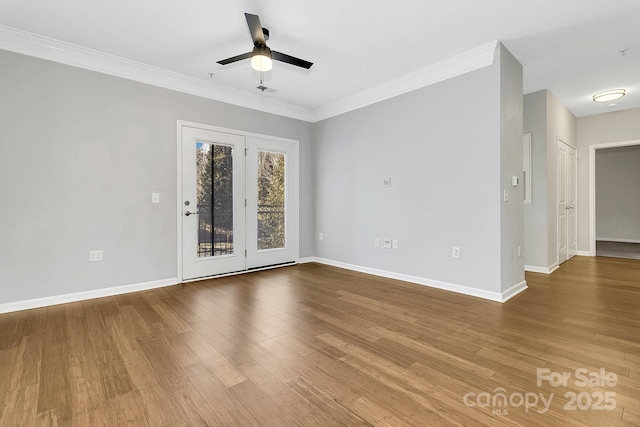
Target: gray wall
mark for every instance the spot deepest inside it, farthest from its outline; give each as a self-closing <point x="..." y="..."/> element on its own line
<point x="548" y="120"/>
<point x="617" y="194"/>
<point x="80" y="154"/>
<point x="512" y="212"/>
<point x="604" y="128"/>
<point x="82" y="151"/>
<point x="443" y="149"/>
<point x="536" y="218"/>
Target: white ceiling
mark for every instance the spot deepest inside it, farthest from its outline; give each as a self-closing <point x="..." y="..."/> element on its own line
<point x="570" y="47"/>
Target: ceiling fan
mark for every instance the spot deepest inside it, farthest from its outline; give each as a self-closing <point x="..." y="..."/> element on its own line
<point x="261" y="56"/>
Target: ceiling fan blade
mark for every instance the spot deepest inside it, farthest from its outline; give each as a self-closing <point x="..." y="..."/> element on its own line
<point x="235" y="58"/>
<point x="291" y="59"/>
<point x="255" y="28"/>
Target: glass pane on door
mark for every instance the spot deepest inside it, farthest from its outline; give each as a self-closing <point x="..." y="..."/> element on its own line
<point x="271" y="200"/>
<point x="214" y="174"/>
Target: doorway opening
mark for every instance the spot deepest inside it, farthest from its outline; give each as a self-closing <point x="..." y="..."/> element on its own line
<point x="626" y="247"/>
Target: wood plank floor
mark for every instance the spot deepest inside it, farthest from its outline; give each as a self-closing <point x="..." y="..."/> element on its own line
<point x="318" y="346"/>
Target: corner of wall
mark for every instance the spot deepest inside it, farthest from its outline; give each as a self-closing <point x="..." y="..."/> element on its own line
<point x="535" y="213"/>
<point x="511" y="209"/>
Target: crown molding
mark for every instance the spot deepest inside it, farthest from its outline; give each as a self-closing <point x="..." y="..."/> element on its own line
<point x="39" y="46"/>
<point x="465" y="62"/>
<point x="31" y="44"/>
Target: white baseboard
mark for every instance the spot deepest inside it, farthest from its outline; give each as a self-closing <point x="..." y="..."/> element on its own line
<point x="583" y="253"/>
<point x="119" y="290"/>
<point x="513" y="291"/>
<point x="81" y="296"/>
<point x="466" y="290"/>
<point x="614" y="239"/>
<point x="543" y="270"/>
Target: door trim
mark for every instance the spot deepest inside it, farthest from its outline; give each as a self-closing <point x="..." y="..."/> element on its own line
<point x="592" y="186"/>
<point x="184" y="123"/>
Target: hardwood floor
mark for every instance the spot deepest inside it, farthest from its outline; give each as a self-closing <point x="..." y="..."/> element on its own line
<point x="618" y="249"/>
<point x="319" y="346"/>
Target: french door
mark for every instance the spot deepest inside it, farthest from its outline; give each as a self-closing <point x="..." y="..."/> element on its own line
<point x="272" y="202"/>
<point x="238" y="201"/>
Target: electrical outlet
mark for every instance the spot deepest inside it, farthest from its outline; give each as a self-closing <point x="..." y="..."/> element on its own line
<point x="395" y="244"/>
<point x="386" y="182"/>
<point x="505" y="196"/>
<point x="614" y="224"/>
<point x="376" y="243"/>
<point x="455" y="252"/>
<point x="95" y="256"/>
<point x="387" y="243"/>
<point x="321" y="236"/>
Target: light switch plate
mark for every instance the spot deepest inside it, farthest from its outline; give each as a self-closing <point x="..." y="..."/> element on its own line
<point x="155" y="197"/>
<point x="95" y="256"/>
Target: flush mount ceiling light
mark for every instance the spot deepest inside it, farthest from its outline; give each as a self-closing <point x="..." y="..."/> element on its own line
<point x="609" y="95"/>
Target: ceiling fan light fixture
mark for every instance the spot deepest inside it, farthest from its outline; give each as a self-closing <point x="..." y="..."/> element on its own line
<point x="609" y="95"/>
<point x="261" y="59"/>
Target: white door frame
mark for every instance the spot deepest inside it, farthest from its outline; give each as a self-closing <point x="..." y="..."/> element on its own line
<point x="179" y="208"/>
<point x="592" y="186"/>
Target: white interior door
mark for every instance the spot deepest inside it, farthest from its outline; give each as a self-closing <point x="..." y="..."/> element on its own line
<point x="562" y="202"/>
<point x="572" y="192"/>
<point x="567" y="195"/>
<point x="272" y="202"/>
<point x="213" y="199"/>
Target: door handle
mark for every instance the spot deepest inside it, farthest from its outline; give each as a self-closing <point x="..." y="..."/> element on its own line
<point x="187" y="213"/>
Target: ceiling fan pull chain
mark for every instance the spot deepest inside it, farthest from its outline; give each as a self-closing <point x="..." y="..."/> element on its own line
<point x="262" y="87"/>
